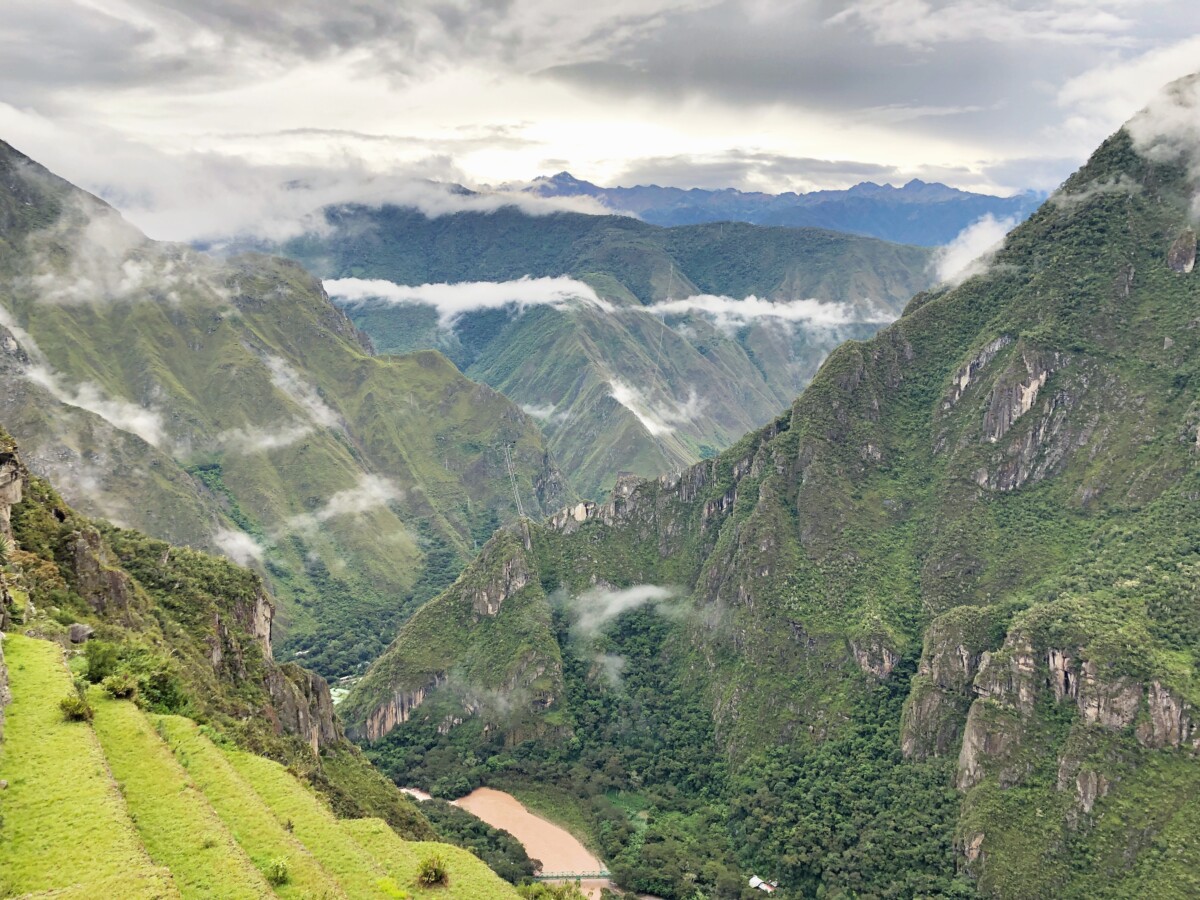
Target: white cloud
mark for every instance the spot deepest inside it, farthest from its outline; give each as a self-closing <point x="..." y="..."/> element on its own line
<point x="300" y="392"/>
<point x="968" y="254"/>
<point x="1113" y="90"/>
<point x="371" y="492"/>
<point x="1121" y="185"/>
<point x="1168" y="128"/>
<point x="259" y="440"/>
<point x="658" y="417"/>
<point x="239" y="546"/>
<point x="544" y="413"/>
<point x="728" y="312"/>
<point x="453" y="300"/>
<point x="595" y="608"/>
<point x="921" y="23"/>
<point x="145" y="423"/>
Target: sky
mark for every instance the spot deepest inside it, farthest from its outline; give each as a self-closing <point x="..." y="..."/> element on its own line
<point x="201" y="118"/>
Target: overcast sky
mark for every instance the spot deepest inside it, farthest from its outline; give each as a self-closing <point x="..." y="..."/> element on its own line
<point x="190" y="114"/>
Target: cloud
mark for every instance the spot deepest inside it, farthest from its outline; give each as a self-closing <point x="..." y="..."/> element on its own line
<point x="610" y="667"/>
<point x="658" y="417"/>
<point x="919" y="23"/>
<point x="371" y="492"/>
<point x="752" y="170"/>
<point x="1121" y="185"/>
<point x="596" y="608"/>
<point x="1167" y="130"/>
<point x="300" y="392"/>
<point x="87" y="395"/>
<point x="967" y="255"/>
<point x="453" y="300"/>
<point x="544" y="413"/>
<point x="239" y="546"/>
<point x="250" y="439"/>
<point x="728" y="313"/>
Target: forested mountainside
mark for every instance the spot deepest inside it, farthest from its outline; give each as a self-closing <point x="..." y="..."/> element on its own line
<point x="618" y="384"/>
<point x="916" y="213"/>
<point x="933" y="631"/>
<point x="229" y="405"/>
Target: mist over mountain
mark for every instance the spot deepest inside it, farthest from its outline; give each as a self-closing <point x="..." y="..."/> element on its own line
<point x="919" y="213"/>
<point x="637" y="349"/>
<point x="931" y="632"/>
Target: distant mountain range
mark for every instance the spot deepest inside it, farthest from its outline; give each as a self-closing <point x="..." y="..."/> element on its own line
<point x="629" y="382"/>
<point x="917" y="213"/>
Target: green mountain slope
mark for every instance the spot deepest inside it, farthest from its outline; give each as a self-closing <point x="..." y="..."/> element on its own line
<point x="229" y="405"/>
<point x="622" y="389"/>
<point x="113" y="648"/>
<point x="932" y="632"/>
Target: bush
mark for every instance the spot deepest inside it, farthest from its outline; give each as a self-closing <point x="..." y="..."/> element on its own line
<point x="75" y="708"/>
<point x="276" y="872"/>
<point x="102" y="659"/>
<point x="433" y="872"/>
<point x="120" y="686"/>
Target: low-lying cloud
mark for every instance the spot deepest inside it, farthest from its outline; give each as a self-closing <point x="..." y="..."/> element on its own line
<point x="87" y="395"/>
<point x="239" y="546"/>
<point x="970" y="253"/>
<point x="729" y="312"/>
<point x="452" y="300"/>
<point x="596" y="608"/>
<point x="658" y="417"/>
<point x="543" y="413"/>
<point x="1121" y="185"/>
<point x="301" y="392"/>
<point x="260" y="440"/>
<point x="1168" y="129"/>
<point x="371" y="492"/>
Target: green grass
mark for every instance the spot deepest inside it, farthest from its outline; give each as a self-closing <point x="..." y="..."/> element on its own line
<point x="315" y="827"/>
<point x="470" y="879"/>
<point x="261" y="835"/>
<point x="65" y="824"/>
<point x="178" y="826"/>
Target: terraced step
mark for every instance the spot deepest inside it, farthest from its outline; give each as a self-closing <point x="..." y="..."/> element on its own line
<point x="470" y="878"/>
<point x="66" y="828"/>
<point x="179" y="828"/>
<point x="253" y="825"/>
<point x="315" y="826"/>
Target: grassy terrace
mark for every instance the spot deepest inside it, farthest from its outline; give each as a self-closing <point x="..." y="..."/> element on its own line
<point x="469" y="879"/>
<point x="178" y="826"/>
<point x="315" y="826"/>
<point x="65" y="823"/>
<point x="255" y="827"/>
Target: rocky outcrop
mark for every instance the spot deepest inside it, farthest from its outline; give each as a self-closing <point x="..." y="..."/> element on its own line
<point x="1169" y="722"/>
<point x="512" y="575"/>
<point x="107" y="589"/>
<point x="12" y="482"/>
<point x="397" y="710"/>
<point x="990" y="735"/>
<point x="942" y="690"/>
<point x="1181" y="257"/>
<point x="966" y="375"/>
<point x="874" y="657"/>
<point x="1110" y="704"/>
<point x="302" y="705"/>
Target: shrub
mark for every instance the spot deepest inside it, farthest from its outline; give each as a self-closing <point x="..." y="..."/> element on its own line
<point x="102" y="658"/>
<point x="276" y="872"/>
<point x="432" y="872"/>
<point x="75" y="708"/>
<point x="120" y="686"/>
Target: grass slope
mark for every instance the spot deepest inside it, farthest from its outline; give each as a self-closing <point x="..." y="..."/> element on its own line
<point x="261" y="835"/>
<point x="314" y="826"/>
<point x="65" y="825"/>
<point x="179" y="828"/>
<point x="469" y="878"/>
